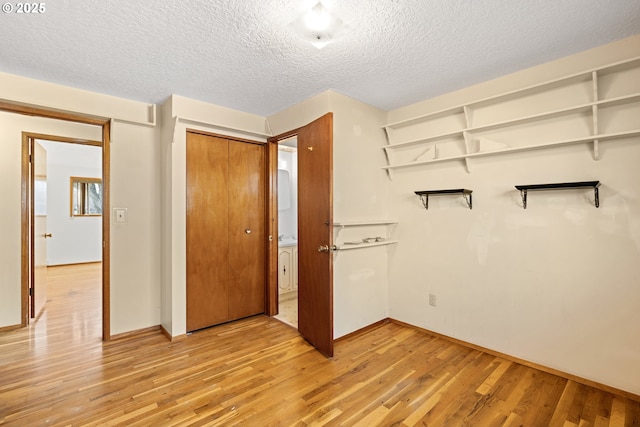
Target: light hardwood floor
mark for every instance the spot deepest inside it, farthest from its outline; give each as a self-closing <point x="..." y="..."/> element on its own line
<point x="259" y="372"/>
<point x="288" y="308"/>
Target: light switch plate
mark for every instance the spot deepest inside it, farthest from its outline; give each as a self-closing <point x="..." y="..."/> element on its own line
<point x="120" y="215"/>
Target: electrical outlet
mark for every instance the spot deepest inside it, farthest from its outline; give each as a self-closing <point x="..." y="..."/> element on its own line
<point x="432" y="300"/>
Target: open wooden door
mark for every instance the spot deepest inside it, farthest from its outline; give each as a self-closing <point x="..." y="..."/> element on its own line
<point x="315" y="233"/>
<point x="38" y="290"/>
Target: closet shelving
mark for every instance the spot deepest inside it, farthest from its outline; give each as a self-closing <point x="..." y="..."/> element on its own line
<point x="359" y="244"/>
<point x="524" y="189"/>
<point x="592" y="95"/>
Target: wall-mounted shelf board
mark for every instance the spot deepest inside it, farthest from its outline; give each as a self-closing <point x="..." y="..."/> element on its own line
<point x="363" y="223"/>
<point x="362" y="245"/>
<point x="597" y="99"/>
<point x="601" y="137"/>
<point x="359" y="244"/>
<point x="577" y="77"/>
<point x="560" y="186"/>
<point x="520" y="120"/>
<point x="424" y="195"/>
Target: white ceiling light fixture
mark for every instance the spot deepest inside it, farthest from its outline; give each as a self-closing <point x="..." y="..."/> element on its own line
<point x="317" y="18"/>
<point x="318" y="26"/>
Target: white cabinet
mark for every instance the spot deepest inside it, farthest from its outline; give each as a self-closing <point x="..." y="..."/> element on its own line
<point x="287" y="271"/>
<point x="294" y="268"/>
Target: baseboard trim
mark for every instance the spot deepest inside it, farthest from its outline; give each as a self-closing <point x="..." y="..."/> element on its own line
<point x="35" y="319"/>
<point x="166" y="333"/>
<point x="10" y="328"/>
<point x="74" y="263"/>
<point x="171" y="338"/>
<point x="561" y="374"/>
<point x="363" y="330"/>
<point x="137" y="332"/>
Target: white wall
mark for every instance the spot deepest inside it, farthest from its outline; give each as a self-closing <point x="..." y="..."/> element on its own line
<point x="135" y="184"/>
<point x="135" y="245"/>
<point x="75" y="239"/>
<point x="555" y="284"/>
<point x="360" y="194"/>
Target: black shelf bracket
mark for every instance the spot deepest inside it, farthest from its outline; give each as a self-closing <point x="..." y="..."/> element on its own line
<point x="560" y="186"/>
<point x="466" y="194"/>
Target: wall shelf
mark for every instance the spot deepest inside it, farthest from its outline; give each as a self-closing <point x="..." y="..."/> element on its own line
<point x="560" y="186"/>
<point x="362" y="223"/>
<point x="585" y="96"/>
<point x="519" y="120"/>
<point x="424" y="195"/>
<point x="359" y="242"/>
<point x="601" y="137"/>
<point x="345" y="247"/>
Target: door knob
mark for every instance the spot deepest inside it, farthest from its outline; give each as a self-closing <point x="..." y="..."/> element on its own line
<point x="47" y="235"/>
<point x="248" y="231"/>
<point x="326" y="248"/>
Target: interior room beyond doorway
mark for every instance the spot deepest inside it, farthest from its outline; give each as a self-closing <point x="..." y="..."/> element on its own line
<point x="288" y="231"/>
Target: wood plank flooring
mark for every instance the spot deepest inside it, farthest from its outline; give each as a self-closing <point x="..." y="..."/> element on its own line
<point x="259" y="372"/>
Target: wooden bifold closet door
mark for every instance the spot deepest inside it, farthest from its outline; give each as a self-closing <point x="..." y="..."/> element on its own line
<point x="226" y="243"/>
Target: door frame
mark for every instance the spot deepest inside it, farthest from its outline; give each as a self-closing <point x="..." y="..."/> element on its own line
<point x="105" y="125"/>
<point x="272" y="229"/>
<point x="33" y="268"/>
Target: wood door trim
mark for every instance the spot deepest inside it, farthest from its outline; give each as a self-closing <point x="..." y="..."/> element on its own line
<point x="59" y="115"/>
<point x="57" y="138"/>
<point x="25" y="240"/>
<point x="26" y="206"/>
<point x="106" y="231"/>
<point x="221" y="135"/>
<point x="272" y="295"/>
<point x="271" y="199"/>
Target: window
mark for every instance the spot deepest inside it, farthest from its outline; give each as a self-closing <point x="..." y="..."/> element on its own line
<point x="86" y="196"/>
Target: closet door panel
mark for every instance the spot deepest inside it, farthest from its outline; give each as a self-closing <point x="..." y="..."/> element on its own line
<point x="247" y="248"/>
<point x="207" y="234"/>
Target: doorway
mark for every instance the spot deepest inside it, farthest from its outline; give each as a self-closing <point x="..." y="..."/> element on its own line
<point x="288" y="231"/>
<point x="34" y="239"/>
<point x="67" y="205"/>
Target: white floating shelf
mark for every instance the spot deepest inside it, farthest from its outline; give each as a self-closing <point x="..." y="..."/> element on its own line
<point x="363" y="223"/>
<point x="581" y="76"/>
<point x="344" y="247"/>
<point x="601" y="137"/>
<point x="591" y="98"/>
<point x="519" y="120"/>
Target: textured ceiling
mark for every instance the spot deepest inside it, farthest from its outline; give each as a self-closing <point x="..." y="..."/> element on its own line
<point x="244" y="54"/>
